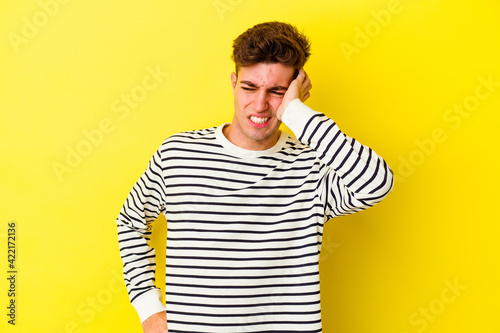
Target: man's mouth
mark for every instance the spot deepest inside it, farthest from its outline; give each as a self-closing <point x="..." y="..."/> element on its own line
<point x="259" y="120"/>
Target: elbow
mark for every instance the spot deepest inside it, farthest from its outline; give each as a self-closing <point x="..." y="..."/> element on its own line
<point x="384" y="186"/>
<point x="388" y="183"/>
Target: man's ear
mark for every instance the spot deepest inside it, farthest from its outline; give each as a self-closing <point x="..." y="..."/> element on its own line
<point x="234" y="79"/>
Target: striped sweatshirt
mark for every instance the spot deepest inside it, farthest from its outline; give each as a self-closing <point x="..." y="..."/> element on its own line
<point x="244" y="227"/>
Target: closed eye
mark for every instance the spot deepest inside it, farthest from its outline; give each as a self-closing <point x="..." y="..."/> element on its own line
<point x="248" y="89"/>
<point x="277" y="93"/>
<point x="274" y="92"/>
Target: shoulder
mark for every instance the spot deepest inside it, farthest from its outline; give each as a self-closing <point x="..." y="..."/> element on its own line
<point x="293" y="148"/>
<point x="196" y="139"/>
<point x="196" y="136"/>
<point x="293" y="144"/>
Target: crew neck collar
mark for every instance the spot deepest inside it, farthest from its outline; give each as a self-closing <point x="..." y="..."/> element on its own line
<point x="246" y="153"/>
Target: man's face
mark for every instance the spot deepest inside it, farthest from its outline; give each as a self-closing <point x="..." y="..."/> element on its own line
<point x="258" y="91"/>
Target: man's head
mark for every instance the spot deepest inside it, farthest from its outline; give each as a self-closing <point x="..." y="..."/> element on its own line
<point x="271" y="42"/>
<point x="268" y="58"/>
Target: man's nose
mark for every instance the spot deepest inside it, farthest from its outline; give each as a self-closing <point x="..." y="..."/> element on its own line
<point x="261" y="102"/>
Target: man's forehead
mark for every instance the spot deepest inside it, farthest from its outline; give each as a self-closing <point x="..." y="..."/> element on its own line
<point x="266" y="75"/>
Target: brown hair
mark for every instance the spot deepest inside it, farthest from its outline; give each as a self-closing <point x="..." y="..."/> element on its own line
<point x="271" y="42"/>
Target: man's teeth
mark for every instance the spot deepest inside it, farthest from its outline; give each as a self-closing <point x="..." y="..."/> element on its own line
<point x="259" y="120"/>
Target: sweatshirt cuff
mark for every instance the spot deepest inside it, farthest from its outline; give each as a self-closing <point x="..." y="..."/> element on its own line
<point x="296" y="115"/>
<point x="148" y="304"/>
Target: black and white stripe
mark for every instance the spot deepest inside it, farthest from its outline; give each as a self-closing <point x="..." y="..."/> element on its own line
<point x="244" y="234"/>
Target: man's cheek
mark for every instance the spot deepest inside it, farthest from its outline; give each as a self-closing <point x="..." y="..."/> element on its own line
<point x="277" y="104"/>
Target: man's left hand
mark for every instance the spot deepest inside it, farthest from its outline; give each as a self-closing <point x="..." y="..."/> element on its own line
<point x="298" y="88"/>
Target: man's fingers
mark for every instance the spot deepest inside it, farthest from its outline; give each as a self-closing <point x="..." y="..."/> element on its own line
<point x="306" y="81"/>
<point x="303" y="84"/>
<point x="301" y="76"/>
<point x="305" y="89"/>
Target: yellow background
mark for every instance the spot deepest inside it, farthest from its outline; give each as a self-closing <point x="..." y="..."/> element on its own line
<point x="391" y="82"/>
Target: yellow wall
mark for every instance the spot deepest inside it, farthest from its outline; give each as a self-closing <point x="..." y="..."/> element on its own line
<point x="418" y="81"/>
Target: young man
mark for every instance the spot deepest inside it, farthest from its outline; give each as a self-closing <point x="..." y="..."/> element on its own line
<point x="245" y="203"/>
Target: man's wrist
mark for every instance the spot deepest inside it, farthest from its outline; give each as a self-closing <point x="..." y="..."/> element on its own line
<point x="148" y="304"/>
<point x="296" y="111"/>
<point x="285" y="106"/>
<point x="296" y="115"/>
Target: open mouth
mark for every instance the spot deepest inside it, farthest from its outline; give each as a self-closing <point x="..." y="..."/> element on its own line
<point x="259" y="120"/>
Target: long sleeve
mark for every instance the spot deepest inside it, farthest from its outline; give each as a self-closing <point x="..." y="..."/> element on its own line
<point x="141" y="208"/>
<point x="356" y="178"/>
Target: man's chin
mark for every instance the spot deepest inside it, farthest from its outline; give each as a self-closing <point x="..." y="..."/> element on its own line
<point x="264" y="136"/>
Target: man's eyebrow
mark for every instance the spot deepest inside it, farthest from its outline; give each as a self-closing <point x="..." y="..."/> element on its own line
<point x="249" y="83"/>
<point x="253" y="85"/>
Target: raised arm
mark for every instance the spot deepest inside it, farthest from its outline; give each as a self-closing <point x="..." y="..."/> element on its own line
<point x="356" y="177"/>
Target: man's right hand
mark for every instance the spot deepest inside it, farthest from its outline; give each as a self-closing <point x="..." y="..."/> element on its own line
<point x="156" y="323"/>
